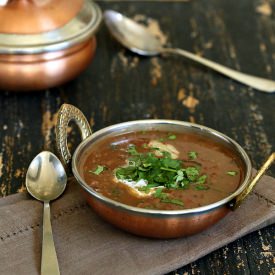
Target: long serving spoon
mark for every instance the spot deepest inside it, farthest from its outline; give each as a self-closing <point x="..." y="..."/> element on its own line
<point x="46" y="180"/>
<point x="138" y="39"/>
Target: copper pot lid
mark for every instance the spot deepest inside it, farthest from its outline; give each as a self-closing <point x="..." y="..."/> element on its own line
<point x="38" y="26"/>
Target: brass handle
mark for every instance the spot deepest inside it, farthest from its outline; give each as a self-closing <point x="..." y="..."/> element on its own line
<point x="239" y="199"/>
<point x="66" y="114"/>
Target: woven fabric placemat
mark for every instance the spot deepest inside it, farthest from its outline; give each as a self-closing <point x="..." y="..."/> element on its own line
<point x="86" y="244"/>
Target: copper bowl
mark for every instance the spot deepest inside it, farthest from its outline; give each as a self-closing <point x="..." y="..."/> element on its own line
<point x="51" y="44"/>
<point x="147" y="222"/>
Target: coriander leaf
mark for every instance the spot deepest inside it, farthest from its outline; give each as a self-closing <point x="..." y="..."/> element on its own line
<point x="172" y="137"/>
<point x="126" y="173"/>
<point x="145" y="167"/>
<point x="132" y="163"/>
<point x="144" y="189"/>
<point x="201" y="187"/>
<point x="192" y="155"/>
<point x="154" y="148"/>
<point x="99" y="169"/>
<point x="172" y="185"/>
<point x="173" y="201"/>
<point x="168" y="169"/>
<point x="184" y="183"/>
<point x="158" y="194"/>
<point x="148" y="187"/>
<point x="171" y="163"/>
<point x="180" y="176"/>
<point x="231" y="173"/>
<point x="201" y="179"/>
<point x="160" y="178"/>
<point x="132" y="150"/>
<point x="192" y="173"/>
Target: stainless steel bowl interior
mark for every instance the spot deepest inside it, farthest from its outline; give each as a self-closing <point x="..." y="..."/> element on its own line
<point x="162" y="125"/>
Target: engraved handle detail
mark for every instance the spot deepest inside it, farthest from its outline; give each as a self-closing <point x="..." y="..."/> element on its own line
<point x="240" y="198"/>
<point x="66" y="114"/>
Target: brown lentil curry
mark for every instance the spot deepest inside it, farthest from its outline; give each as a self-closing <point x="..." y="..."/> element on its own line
<point x="160" y="170"/>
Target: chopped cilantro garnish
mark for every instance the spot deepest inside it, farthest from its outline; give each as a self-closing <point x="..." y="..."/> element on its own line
<point x="180" y="176"/>
<point x="173" y="201"/>
<point x="166" y="154"/>
<point x="200" y="183"/>
<point x="192" y="155"/>
<point x="172" y="137"/>
<point x="99" y="169"/>
<point x="165" y="197"/>
<point x="124" y="173"/>
<point x="158" y="171"/>
<point x="201" y="179"/>
<point x="132" y="150"/>
<point x="231" y="173"/>
<point x="151" y="185"/>
<point x="158" y="194"/>
<point x="147" y="188"/>
<point x="192" y="173"/>
<point x="201" y="187"/>
<point x="154" y="148"/>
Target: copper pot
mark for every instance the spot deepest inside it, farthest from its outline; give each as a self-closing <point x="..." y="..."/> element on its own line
<point x="45" y="43"/>
<point x="147" y="222"/>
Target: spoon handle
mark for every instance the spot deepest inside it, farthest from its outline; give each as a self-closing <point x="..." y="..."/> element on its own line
<point x="261" y="84"/>
<point x="49" y="263"/>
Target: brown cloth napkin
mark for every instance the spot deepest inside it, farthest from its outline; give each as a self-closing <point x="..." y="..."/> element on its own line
<point x="86" y="244"/>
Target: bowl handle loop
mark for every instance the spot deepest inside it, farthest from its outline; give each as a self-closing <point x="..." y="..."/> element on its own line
<point x="66" y="114"/>
<point x="239" y="199"/>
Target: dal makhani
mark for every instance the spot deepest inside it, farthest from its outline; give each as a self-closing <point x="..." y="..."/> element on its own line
<point x="161" y="170"/>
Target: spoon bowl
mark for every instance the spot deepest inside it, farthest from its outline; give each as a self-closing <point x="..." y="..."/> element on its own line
<point x="46" y="180"/>
<point x="140" y="40"/>
<point x="132" y="35"/>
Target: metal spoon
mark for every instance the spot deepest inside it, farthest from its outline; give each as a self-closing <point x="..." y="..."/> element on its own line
<point x="138" y="39"/>
<point x="46" y="180"/>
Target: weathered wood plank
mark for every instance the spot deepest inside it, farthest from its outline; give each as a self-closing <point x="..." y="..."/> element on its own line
<point x="120" y="86"/>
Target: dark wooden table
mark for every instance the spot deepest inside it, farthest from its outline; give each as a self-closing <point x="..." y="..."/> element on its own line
<point x="120" y="86"/>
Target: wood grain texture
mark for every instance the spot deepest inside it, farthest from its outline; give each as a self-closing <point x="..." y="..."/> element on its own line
<point x="120" y="86"/>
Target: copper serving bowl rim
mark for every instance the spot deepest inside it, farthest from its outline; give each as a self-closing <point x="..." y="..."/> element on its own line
<point x="43" y="43"/>
<point x="162" y="213"/>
